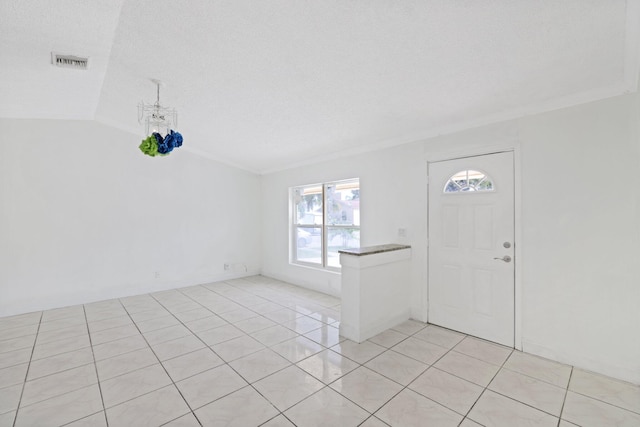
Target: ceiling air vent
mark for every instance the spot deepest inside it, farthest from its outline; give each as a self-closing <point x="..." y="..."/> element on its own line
<point x="69" y="61"/>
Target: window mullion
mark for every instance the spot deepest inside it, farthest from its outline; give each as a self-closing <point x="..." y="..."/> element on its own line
<point x="307" y="229"/>
<point x="325" y="233"/>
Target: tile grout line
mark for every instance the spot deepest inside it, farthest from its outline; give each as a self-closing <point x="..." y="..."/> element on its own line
<point x="295" y="364"/>
<point x="373" y="416"/>
<point x="95" y="367"/>
<point x="599" y="400"/>
<point x="532" y="377"/>
<point x="228" y="363"/>
<point x="360" y="365"/>
<point x="62" y="394"/>
<point x="487" y="388"/>
<point x="566" y="389"/>
<point x="26" y="375"/>
<point x="429" y="366"/>
<point x="162" y="301"/>
<point x="250" y="384"/>
<point x="524" y="403"/>
<point x="502" y="366"/>
<point x="209" y="347"/>
<point x="566" y="393"/>
<point x="386" y="349"/>
<point x="160" y="362"/>
<point x="328" y="385"/>
<point x="432" y="365"/>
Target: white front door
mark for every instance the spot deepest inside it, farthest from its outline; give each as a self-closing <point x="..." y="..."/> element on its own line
<point x="471" y="247"/>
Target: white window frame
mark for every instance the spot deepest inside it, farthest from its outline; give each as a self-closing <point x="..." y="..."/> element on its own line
<point x="293" y="225"/>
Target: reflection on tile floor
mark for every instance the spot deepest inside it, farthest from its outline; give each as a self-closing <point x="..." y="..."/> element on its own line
<point x="260" y="352"/>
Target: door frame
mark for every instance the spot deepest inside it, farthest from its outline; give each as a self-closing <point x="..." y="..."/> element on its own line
<point x="444" y="155"/>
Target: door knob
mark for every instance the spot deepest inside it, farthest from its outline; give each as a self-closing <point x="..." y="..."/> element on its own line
<point x="505" y="258"/>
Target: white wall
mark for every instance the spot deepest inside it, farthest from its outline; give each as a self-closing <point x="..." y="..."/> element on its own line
<point x="392" y="196"/>
<point x="579" y="201"/>
<point x="85" y="216"/>
<point x="581" y="243"/>
<point x="579" y="276"/>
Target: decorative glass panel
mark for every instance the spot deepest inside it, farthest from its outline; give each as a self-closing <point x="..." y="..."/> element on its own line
<point x="468" y="180"/>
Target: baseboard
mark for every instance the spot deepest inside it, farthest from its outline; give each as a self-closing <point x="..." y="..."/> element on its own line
<point x="329" y="290"/>
<point x="368" y="331"/>
<point x="76" y="297"/>
<point x="582" y="361"/>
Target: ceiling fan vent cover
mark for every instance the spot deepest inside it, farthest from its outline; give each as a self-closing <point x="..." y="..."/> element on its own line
<point x="69" y="61"/>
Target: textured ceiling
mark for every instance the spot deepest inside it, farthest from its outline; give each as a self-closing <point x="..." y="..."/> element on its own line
<point x="266" y="85"/>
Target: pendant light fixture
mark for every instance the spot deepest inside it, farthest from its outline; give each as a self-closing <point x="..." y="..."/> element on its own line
<point x="159" y="122"/>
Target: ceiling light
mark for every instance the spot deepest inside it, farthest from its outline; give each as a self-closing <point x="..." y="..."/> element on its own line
<point x="160" y="139"/>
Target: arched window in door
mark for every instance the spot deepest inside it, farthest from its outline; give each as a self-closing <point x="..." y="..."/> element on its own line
<point x="469" y="180"/>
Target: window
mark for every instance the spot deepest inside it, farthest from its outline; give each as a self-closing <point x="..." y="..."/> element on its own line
<point x="468" y="180"/>
<point x="325" y="219"/>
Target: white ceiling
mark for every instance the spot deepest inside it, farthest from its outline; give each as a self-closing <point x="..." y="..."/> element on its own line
<point x="266" y="85"/>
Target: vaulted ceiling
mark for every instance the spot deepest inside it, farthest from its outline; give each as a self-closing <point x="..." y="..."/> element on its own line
<point x="266" y="85"/>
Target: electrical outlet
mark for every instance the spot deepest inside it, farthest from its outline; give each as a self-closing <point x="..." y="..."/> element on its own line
<point x="157" y="274"/>
<point x="227" y="267"/>
<point x="402" y="232"/>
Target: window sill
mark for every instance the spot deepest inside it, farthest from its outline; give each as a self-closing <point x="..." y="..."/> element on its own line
<point x="335" y="270"/>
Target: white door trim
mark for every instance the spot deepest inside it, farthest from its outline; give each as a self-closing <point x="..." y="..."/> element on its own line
<point x="513" y="146"/>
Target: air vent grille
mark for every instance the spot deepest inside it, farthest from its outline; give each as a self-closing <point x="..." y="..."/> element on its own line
<point x="69" y="61"/>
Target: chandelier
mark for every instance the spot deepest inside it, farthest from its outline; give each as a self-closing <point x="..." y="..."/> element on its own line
<point x="160" y="139"/>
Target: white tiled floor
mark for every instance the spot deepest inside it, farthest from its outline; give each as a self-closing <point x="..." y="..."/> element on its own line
<point x="259" y="352"/>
